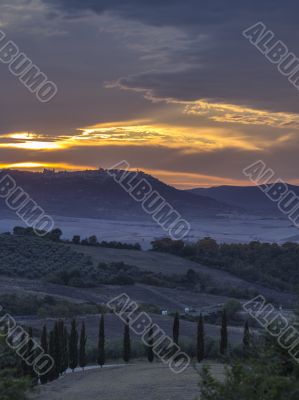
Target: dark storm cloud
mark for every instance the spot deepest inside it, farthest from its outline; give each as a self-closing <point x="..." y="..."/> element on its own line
<point x="188" y="12"/>
<point x="225" y="67"/>
<point x="209" y="83"/>
<point x="79" y="61"/>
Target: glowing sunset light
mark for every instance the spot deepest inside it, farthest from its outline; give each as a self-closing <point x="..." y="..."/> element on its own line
<point x="39" y="166"/>
<point x="158" y="134"/>
<point x="168" y="88"/>
<point x="33" y="145"/>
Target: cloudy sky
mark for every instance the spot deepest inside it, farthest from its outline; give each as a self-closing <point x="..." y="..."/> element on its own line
<point x="171" y="86"/>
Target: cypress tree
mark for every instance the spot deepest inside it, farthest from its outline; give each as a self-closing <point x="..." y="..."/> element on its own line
<point x="30" y="354"/>
<point x="200" y="339"/>
<point x="63" y="347"/>
<point x="246" y="336"/>
<point x="127" y="343"/>
<point x="19" y="361"/>
<point x="52" y="373"/>
<point x="101" y="343"/>
<point x="60" y="329"/>
<point x="150" y="341"/>
<point x="65" y="361"/>
<point x="57" y="351"/>
<point x="44" y="346"/>
<point x="176" y="328"/>
<point x="224" y="335"/>
<point x="82" y="351"/>
<point x="73" y="346"/>
<point x="23" y="365"/>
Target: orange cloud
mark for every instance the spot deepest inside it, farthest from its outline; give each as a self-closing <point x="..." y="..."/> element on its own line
<point x="136" y="133"/>
<point x="242" y="115"/>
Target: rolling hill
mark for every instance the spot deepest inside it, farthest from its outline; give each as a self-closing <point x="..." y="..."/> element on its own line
<point x="94" y="194"/>
<point x="250" y="198"/>
<point x="77" y="271"/>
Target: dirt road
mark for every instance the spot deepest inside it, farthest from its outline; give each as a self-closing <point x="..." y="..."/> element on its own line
<point x="141" y="381"/>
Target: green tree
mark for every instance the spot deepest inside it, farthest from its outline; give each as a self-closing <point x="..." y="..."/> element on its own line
<point x="101" y="342"/>
<point x="73" y="346"/>
<point x="55" y="235"/>
<point x="232" y="307"/>
<point x="60" y="332"/>
<point x="22" y="363"/>
<point x="176" y="328"/>
<point x="57" y="351"/>
<point x="65" y="361"/>
<point x="92" y="240"/>
<point x="82" y="348"/>
<point x="150" y="341"/>
<point x="224" y="335"/>
<point x="18" y="230"/>
<point x="207" y="245"/>
<point x="246" y="336"/>
<point x="268" y="374"/>
<point x="52" y="372"/>
<point x="44" y="346"/>
<point x="30" y="356"/>
<point x="12" y="386"/>
<point x="127" y="343"/>
<point x="76" y="239"/>
<point x="200" y="339"/>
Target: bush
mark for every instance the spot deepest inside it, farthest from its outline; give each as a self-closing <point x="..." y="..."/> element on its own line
<point x="232" y="307"/>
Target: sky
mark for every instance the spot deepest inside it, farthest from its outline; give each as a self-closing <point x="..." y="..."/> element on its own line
<point x="172" y="87"/>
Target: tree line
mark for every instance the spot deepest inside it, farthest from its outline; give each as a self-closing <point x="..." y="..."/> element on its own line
<point x="56" y="236"/>
<point x="255" y="261"/>
<point x="68" y="349"/>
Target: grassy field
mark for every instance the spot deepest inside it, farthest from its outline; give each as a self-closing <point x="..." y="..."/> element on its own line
<point x="164" y="298"/>
<point x="168" y="264"/>
<point x="141" y="381"/>
<point x="76" y="265"/>
<point x="146" y="260"/>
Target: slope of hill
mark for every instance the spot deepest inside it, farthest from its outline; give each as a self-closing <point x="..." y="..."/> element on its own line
<point x="250" y="198"/>
<point x="169" y="264"/>
<point x="91" y="267"/>
<point x="94" y="194"/>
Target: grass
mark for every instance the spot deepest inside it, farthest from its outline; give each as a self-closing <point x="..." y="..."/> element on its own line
<point x="146" y="260"/>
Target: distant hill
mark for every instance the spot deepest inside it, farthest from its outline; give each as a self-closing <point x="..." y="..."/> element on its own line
<point x="250" y="198"/>
<point x="94" y="194"/>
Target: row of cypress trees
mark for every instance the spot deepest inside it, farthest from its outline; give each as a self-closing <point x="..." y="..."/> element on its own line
<point x="69" y="349"/>
<point x="22" y="367"/>
<point x="223" y="346"/>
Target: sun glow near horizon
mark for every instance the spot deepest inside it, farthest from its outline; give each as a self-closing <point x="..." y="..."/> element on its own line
<point x="193" y="136"/>
<point x="40" y="166"/>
